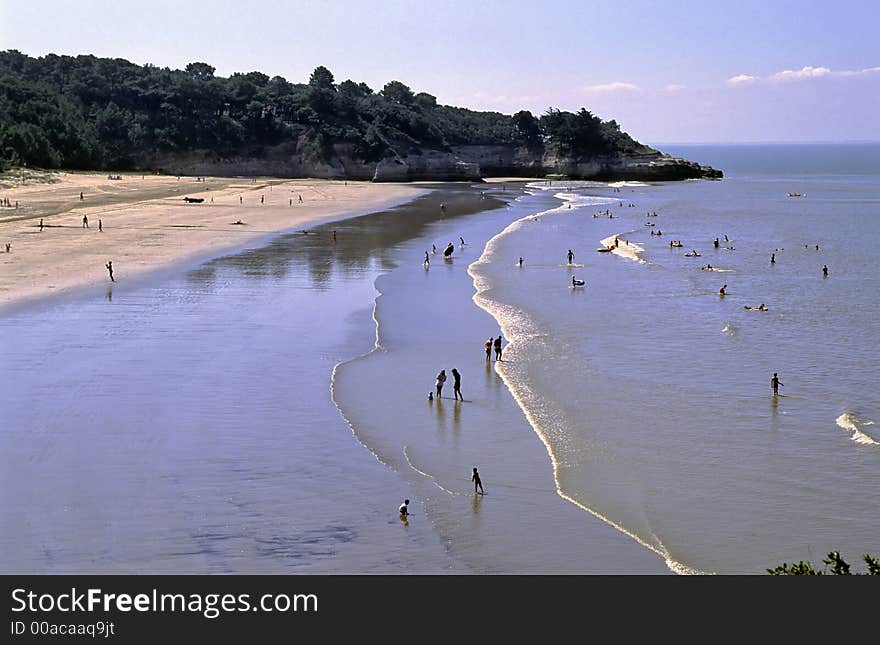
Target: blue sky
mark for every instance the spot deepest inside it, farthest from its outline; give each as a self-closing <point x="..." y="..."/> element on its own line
<point x="673" y="71"/>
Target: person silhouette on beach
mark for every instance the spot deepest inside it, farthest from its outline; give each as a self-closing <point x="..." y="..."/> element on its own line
<point x="441" y="379"/>
<point x="824" y="270"/>
<point x="262" y="198"/>
<point x="489" y="349"/>
<point x="477" y="482"/>
<point x="774" y="383"/>
<point x="456" y="385"/>
<point x="100" y="226"/>
<point x="427" y="259"/>
<point x="109" y="266"/>
<point x="498" y="350"/>
<point x="300" y="199"/>
<point x="85" y="221"/>
<point x="81" y="197"/>
<point x="570" y="256"/>
<point x="240" y="201"/>
<point x="41" y="225"/>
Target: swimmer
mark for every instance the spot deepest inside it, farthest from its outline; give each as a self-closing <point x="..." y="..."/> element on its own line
<point x="723" y="290"/>
<point x="577" y="283"/>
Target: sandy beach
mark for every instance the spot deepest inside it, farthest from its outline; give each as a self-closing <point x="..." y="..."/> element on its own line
<point x="145" y="224"/>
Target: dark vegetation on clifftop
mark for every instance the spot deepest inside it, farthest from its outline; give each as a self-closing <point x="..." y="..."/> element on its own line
<point x="92" y="113"/>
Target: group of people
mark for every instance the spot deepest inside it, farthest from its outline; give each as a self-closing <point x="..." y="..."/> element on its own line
<point x="441" y="381"/>
<point x="4" y="201"/>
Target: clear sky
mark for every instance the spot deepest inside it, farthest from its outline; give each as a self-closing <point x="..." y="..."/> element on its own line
<point x="668" y="71"/>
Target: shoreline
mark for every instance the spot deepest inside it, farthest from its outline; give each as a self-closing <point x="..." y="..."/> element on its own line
<point x="147" y="227"/>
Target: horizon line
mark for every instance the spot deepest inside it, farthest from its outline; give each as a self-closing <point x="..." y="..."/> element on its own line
<point x="762" y="142"/>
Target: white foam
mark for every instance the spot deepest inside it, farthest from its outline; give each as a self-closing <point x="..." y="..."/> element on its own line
<point x="852" y="423"/>
<point x="621" y="184"/>
<point x="631" y="251"/>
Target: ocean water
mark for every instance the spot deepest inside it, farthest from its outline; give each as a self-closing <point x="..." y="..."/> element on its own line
<point x="652" y="393"/>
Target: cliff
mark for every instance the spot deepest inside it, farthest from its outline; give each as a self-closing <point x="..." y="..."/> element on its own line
<point x="459" y="163"/>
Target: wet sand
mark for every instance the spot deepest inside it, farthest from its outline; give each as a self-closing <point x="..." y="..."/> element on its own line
<point x="147" y="225"/>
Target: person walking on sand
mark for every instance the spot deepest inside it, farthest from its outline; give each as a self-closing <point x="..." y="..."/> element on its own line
<point x="240" y="201"/>
<point x="477" y="482"/>
<point x="85" y="221"/>
<point x="80" y="196"/>
<point x="300" y="199"/>
<point x="570" y="256"/>
<point x="262" y="198"/>
<point x="456" y="385"/>
<point x="109" y="266"/>
<point x="100" y="226"/>
<point x="498" y="350"/>
<point x="774" y="383"/>
<point x="41" y="225"/>
<point x="441" y="379"/>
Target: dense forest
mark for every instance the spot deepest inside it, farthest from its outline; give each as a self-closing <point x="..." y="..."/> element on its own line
<point x="85" y="112"/>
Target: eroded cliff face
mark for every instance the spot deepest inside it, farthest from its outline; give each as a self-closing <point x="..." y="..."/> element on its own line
<point x="459" y="163"/>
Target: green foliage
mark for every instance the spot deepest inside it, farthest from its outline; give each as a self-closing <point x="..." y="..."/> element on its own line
<point x="85" y="112"/>
<point x="838" y="567"/>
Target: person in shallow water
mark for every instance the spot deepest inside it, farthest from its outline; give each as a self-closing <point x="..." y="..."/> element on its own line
<point x="475" y="477"/>
<point x="441" y="379"/>
<point x="456" y="385"/>
<point x="774" y="383"/>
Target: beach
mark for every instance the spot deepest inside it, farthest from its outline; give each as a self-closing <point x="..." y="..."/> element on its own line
<point x="146" y="225"/>
<point x="265" y="409"/>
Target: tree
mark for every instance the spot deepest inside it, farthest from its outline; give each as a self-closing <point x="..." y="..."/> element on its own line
<point x="839" y="567"/>
<point x="321" y="79"/>
<point x="397" y="92"/>
<point x="200" y="70"/>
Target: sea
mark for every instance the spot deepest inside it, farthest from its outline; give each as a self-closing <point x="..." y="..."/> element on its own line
<point x="267" y="411"/>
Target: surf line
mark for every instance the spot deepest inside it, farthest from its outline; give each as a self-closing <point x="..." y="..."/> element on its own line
<point x="424" y="474"/>
<point x="489" y="306"/>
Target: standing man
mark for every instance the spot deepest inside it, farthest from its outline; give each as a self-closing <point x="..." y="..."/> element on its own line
<point x="824" y="270"/>
<point x="85" y="221"/>
<point x="100" y="226"/>
<point x="498" y="349"/>
<point x="476" y="479"/>
<point x="570" y="256"/>
<point x="109" y="266"/>
<point x="41" y="225"/>
<point x="456" y="385"/>
<point x="774" y="383"/>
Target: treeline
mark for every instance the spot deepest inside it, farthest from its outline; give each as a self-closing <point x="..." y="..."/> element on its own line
<point x="85" y="112"/>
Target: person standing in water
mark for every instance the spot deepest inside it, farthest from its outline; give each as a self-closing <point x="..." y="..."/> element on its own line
<point x="498" y="350"/>
<point x="488" y="350"/>
<point x="772" y="258"/>
<point x="774" y="383"/>
<point x="477" y="482"/>
<point x="570" y="256"/>
<point x="109" y="266"/>
<point x="404" y="509"/>
<point x="441" y="379"/>
<point x="824" y="270"/>
<point x="456" y="385"/>
<point x="722" y="290"/>
<point x="427" y="259"/>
